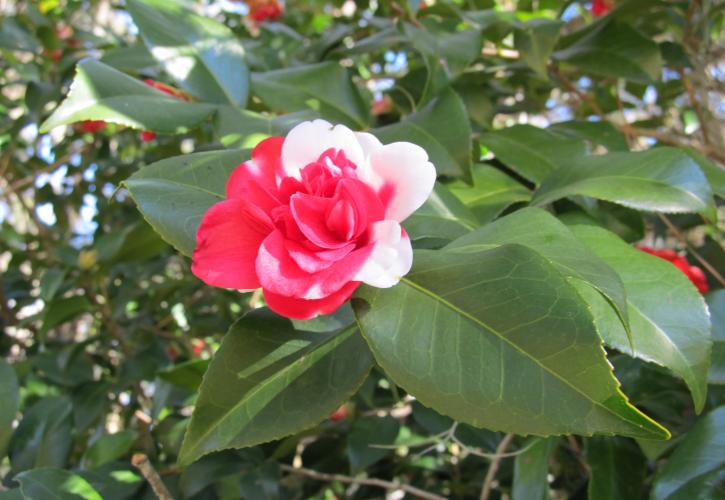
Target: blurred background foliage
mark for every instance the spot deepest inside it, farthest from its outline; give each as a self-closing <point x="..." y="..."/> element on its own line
<point x="106" y="333"/>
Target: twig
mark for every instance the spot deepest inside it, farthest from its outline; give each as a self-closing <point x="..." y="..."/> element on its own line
<point x="141" y="462"/>
<point x="493" y="468"/>
<point x="387" y="485"/>
<point x="683" y="239"/>
<point x="696" y="105"/>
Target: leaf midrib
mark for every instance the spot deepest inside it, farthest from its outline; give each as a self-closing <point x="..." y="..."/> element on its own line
<point x="475" y="320"/>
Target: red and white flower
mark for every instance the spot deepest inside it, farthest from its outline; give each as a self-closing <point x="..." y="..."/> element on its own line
<point x="312" y="215"/>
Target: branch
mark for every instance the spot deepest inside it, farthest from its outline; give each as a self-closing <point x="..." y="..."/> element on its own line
<point x="387" y="485"/>
<point x="141" y="462"/>
<point x="493" y="468"/>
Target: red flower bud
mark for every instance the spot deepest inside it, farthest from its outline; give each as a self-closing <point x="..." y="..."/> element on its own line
<point x="91" y="126"/>
<point x="147" y="136"/>
<point x="602" y="7"/>
<point x="693" y="273"/>
<point x="261" y="10"/>
<point x="340" y="414"/>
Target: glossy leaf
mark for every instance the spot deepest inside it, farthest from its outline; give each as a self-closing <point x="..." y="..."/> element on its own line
<point x="366" y="437"/>
<point x="657" y="180"/>
<point x="55" y="484"/>
<point x="240" y="128"/>
<point x="532" y="152"/>
<point x="716" y="304"/>
<point x="269" y="380"/>
<point x="531" y="468"/>
<point x="512" y="353"/>
<point x="109" y="447"/>
<point x="325" y="88"/>
<point x="203" y="56"/>
<point x="173" y="194"/>
<point x="542" y="232"/>
<point x="535" y="41"/>
<point x="100" y="92"/>
<point x="491" y="193"/>
<point x="601" y="132"/>
<point x="669" y="322"/>
<point x="616" y="50"/>
<point x="10" y="398"/>
<point x="701" y="453"/>
<point x="442" y="128"/>
<point x="618" y="468"/>
<point x="61" y="310"/>
<point x="441" y="218"/>
<point x="187" y="375"/>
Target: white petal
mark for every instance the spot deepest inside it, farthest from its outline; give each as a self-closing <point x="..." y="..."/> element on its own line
<point x="391" y="258"/>
<point x="307" y="141"/>
<point x="403" y="177"/>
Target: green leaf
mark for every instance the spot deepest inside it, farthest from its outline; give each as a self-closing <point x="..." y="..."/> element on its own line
<point x="187" y="375"/>
<point x="535" y="41"/>
<point x="115" y="481"/>
<point x="239" y="128"/>
<point x="269" y="380"/>
<point x="491" y="193"/>
<point x="601" y="132"/>
<point x="100" y="92"/>
<point x="132" y="58"/>
<point x="532" y="152"/>
<point x="618" y="469"/>
<point x="701" y="453"/>
<point x="61" y="310"/>
<point x="545" y="234"/>
<point x="714" y="173"/>
<point x="202" y="55"/>
<point x="55" y="484"/>
<point x="10" y="399"/>
<point x="325" y="88"/>
<point x="365" y="438"/>
<point x="463" y="334"/>
<point x="615" y="50"/>
<point x="441" y="218"/>
<point x="43" y="437"/>
<point x="442" y="128"/>
<point x="173" y="194"/>
<point x="668" y="318"/>
<point x="658" y="180"/>
<point x="108" y="447"/>
<point x="50" y="282"/>
<point x="716" y="304"/>
<point x="531" y="469"/>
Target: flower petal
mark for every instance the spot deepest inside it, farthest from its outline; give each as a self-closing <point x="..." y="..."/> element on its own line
<point x="228" y="241"/>
<point x="391" y="258"/>
<point x="401" y="175"/>
<point x="307" y="141"/>
<point x="254" y="180"/>
<point x="306" y="309"/>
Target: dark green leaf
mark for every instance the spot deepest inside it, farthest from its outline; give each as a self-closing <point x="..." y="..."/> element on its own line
<point x="239" y="128"/>
<point x="618" y="469"/>
<point x="601" y="132"/>
<point x="100" y="92"/>
<point x="441" y="218"/>
<point x="55" y="484"/>
<point x="365" y="437"/>
<point x="108" y="447"/>
<point x="658" y="180"/>
<point x="173" y="194"/>
<point x="61" y="310"/>
<point x="325" y="88"/>
<point x="269" y="380"/>
<point x="716" y="304"/>
<point x="535" y="41"/>
<point x="531" y="469"/>
<point x="668" y="318"/>
<point x="187" y="375"/>
<point x="442" y="128"/>
<point x="9" y="407"/>
<point x="532" y="152"/>
<point x="700" y="454"/>
<point x="50" y="283"/>
<point x="463" y="334"/>
<point x="133" y="58"/>
<point x="115" y="481"/>
<point x="202" y="55"/>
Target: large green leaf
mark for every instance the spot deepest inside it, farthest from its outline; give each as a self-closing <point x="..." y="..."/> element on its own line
<point x="269" y="380"/>
<point x="618" y="469"/>
<point x="531" y="469"/>
<point x="616" y="50"/>
<point x="202" y="55"/>
<point x="600" y="132"/>
<point x="544" y="233"/>
<point x="173" y="194"/>
<point x="43" y="437"/>
<point x="442" y="128"/>
<point x="55" y="484"/>
<point x="532" y="152"/>
<point x="491" y="193"/>
<point x="535" y="42"/>
<point x="700" y="454"/>
<point x="240" y="128"/>
<point x="716" y="304"/>
<point x="659" y="180"/>
<point x="9" y="407"/>
<point x="669" y="321"/>
<point x="100" y="92"/>
<point x="108" y="447"/>
<point x="497" y="339"/>
<point x="325" y="88"/>
<point x="441" y="218"/>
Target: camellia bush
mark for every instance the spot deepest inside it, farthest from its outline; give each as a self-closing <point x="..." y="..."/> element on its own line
<point x="360" y="249"/>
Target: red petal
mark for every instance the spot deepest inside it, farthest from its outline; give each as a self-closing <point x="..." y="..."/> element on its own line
<point x="228" y="242"/>
<point x="306" y="309"/>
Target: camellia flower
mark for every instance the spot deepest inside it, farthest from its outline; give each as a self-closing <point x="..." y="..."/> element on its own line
<point x="91" y="126"/>
<point x="693" y="273"/>
<point x="602" y="7"/>
<point x="312" y="215"/>
<point x="147" y="135"/>
<point x="261" y="10"/>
